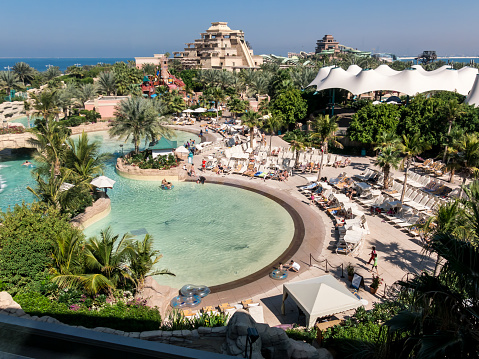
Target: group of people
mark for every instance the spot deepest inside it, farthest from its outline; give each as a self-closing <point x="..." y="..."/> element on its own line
<point x="166" y="184"/>
<point x="292" y="266"/>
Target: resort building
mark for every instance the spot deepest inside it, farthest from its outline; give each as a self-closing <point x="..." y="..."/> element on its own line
<point x="219" y="48"/>
<point x="328" y="46"/>
<point x="104" y="105"/>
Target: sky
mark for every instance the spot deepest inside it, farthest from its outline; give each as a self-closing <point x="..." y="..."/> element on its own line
<point x="120" y="28"/>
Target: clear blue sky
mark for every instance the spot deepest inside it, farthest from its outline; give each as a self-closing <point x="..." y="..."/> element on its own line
<point x="120" y="28"/>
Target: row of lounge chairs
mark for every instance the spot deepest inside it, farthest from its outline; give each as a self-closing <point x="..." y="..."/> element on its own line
<point x="253" y="307"/>
<point x="436" y="167"/>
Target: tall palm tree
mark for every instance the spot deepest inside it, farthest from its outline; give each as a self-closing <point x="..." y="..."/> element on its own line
<point x="24" y="72"/>
<point x="27" y="107"/>
<point x="143" y="258"/>
<point x="236" y="106"/>
<point x="251" y="120"/>
<point x="411" y="147"/>
<point x="453" y="110"/>
<point x="138" y="118"/>
<point x="225" y="79"/>
<point x="86" y="92"/>
<point x="9" y="80"/>
<point x="260" y="84"/>
<point x="107" y="83"/>
<point x="272" y="124"/>
<point x="45" y="104"/>
<point x="217" y="94"/>
<point x="176" y="103"/>
<point x="385" y="139"/>
<point x="325" y="131"/>
<point x="296" y="145"/>
<point x="387" y="159"/>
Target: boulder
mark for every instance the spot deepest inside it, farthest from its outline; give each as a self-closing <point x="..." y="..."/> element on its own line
<point x="8" y="304"/>
<point x="235" y="343"/>
<point x="302" y="350"/>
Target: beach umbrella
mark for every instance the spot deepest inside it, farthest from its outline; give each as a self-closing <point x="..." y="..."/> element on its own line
<point x="182" y="149"/>
<point x="102" y="182"/>
<point x="188" y="110"/>
<point x="200" y="110"/>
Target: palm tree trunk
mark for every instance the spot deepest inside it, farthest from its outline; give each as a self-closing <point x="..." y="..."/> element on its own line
<point x="445" y="150"/>
<point x="270" y="142"/>
<point x="386" y="177"/>
<point x="296" y="159"/>
<point x="405" y="179"/>
<point x="251" y="137"/>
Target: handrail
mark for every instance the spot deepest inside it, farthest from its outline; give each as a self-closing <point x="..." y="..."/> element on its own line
<point x="326" y="260"/>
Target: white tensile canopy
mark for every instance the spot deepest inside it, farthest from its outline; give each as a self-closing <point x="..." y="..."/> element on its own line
<point x="473" y="97"/>
<point x="182" y="149"/>
<point x="409" y="81"/>
<point x="320" y="297"/>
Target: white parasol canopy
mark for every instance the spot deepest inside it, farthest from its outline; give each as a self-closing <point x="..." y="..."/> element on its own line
<point x="200" y="110"/>
<point x="182" y="149"/>
<point x="65" y="186"/>
<point x="102" y="182"/>
<point x="188" y="110"/>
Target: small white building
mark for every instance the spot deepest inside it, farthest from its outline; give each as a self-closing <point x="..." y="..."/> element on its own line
<point x="163" y="147"/>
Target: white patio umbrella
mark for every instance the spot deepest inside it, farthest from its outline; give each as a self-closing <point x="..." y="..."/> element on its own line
<point x="182" y="149"/>
<point x="188" y="110"/>
<point x="102" y="182"/>
<point x="200" y="110"/>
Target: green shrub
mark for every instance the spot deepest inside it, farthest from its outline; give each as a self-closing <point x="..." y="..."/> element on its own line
<point x="177" y="321"/>
<point x="305" y="335"/>
<point x="26" y="238"/>
<point x="120" y="316"/>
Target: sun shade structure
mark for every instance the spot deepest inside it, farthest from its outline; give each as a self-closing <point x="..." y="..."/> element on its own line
<point x="103" y="182"/>
<point x="473" y="97"/>
<point x="410" y="81"/>
<point x="320" y="297"/>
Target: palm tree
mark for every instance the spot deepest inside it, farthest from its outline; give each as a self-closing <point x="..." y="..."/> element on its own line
<point x="86" y="92"/>
<point x="9" y="80"/>
<point x="138" y="118"/>
<point x="176" y="103"/>
<point x="149" y="69"/>
<point x="466" y="155"/>
<point x="325" y="131"/>
<point x="225" y="79"/>
<point x="411" y="147"/>
<point x="106" y="264"/>
<point x="303" y="76"/>
<point x="66" y="253"/>
<point x="45" y="104"/>
<point x="52" y="72"/>
<point x="272" y="124"/>
<point x="251" y="119"/>
<point x="107" y="83"/>
<point x="217" y="94"/>
<point x="236" y="105"/>
<point x="385" y="139"/>
<point x="84" y="159"/>
<point x="27" y="107"/>
<point x="453" y="110"/>
<point x="24" y="72"/>
<point x="297" y="145"/>
<point x="142" y="260"/>
<point x="387" y="159"/>
<point x="260" y="84"/>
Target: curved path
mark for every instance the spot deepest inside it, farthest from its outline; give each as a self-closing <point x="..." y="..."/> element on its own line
<point x="309" y="236"/>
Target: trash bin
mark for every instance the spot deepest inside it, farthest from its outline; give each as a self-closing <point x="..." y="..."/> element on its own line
<point x="279" y="132"/>
<point x="363" y="152"/>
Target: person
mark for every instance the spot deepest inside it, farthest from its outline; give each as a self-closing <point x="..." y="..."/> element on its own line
<point x="26" y="163"/>
<point x="203" y="165"/>
<point x="375" y="264"/>
<point x="294" y="266"/>
<point x="201" y="180"/>
<point x="312" y="199"/>
<point x="193" y="172"/>
<point x="281" y="268"/>
<point x="201" y="133"/>
<point x="373" y="253"/>
<point x="206" y="130"/>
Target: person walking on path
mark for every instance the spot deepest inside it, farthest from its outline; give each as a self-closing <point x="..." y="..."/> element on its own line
<point x="203" y="165"/>
<point x="373" y="252"/>
<point x="375" y="264"/>
<point x="312" y="199"/>
<point x="192" y="171"/>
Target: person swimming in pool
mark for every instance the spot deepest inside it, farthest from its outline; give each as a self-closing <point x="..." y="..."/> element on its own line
<point x="26" y="163"/>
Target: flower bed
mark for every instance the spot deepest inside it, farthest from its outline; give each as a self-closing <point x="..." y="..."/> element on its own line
<point x="12" y="130"/>
<point x="145" y="160"/>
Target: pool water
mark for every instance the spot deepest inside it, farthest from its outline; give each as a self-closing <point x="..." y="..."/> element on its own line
<point x="208" y="234"/>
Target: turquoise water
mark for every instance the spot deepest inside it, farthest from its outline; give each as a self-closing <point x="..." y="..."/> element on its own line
<point x="23" y="121"/>
<point x="208" y="234"/>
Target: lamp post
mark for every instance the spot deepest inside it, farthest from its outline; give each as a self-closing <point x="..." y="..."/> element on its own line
<point x="121" y="146"/>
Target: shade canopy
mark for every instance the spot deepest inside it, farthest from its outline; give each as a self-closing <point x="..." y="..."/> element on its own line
<point x="320" y="297"/>
<point x="182" y="149"/>
<point x="410" y="81"/>
<point x="473" y="97"/>
<point x="200" y="110"/>
<point x="102" y="182"/>
<point x="188" y="110"/>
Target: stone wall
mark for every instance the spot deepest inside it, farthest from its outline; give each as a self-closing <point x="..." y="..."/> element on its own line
<point x="10" y="110"/>
<point x="98" y="210"/>
<point x="134" y="172"/>
<point x="15" y="141"/>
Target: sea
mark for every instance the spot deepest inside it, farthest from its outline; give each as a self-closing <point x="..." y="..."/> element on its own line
<point x="42" y="63"/>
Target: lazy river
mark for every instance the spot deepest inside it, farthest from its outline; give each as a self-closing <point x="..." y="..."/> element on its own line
<point x="208" y="234"/>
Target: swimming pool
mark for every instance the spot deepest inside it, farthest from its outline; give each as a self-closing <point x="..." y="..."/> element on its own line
<point x="208" y="234"/>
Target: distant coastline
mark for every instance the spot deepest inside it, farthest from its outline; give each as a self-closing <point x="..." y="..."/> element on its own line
<point x="42" y="63"/>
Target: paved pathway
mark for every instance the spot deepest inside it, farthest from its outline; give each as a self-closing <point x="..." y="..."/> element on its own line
<point x="398" y="253"/>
